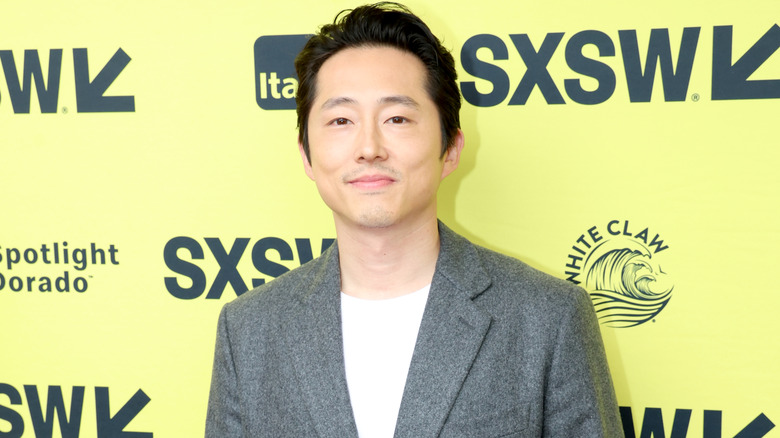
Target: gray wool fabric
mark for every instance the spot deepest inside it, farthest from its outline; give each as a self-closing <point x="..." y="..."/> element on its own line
<point x="503" y="351"/>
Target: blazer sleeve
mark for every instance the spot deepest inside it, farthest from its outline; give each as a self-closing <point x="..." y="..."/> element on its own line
<point x="223" y="419"/>
<point x="579" y="398"/>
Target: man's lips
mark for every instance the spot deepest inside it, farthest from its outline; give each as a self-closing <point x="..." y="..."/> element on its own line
<point x="371" y="181"/>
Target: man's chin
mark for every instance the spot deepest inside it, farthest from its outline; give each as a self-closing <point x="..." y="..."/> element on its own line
<point x="375" y="220"/>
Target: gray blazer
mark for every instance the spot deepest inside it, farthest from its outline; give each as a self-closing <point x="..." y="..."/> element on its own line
<point x="503" y="351"/>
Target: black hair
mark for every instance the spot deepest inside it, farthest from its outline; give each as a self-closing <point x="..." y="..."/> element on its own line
<point x="380" y="24"/>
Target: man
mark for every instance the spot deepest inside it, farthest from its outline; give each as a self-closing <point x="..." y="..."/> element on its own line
<point x="402" y="328"/>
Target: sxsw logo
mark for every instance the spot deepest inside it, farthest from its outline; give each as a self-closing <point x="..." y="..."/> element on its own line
<point x="22" y="72"/>
<point x="710" y="423"/>
<point x="730" y="72"/>
<point x="54" y="414"/>
<point x="182" y="255"/>
<point x="275" y="80"/>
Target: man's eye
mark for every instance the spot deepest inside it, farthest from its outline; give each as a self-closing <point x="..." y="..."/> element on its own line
<point x="339" y="121"/>
<point x="398" y="119"/>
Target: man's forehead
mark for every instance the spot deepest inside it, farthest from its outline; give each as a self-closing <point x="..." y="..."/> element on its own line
<point x="371" y="75"/>
<point x="382" y="61"/>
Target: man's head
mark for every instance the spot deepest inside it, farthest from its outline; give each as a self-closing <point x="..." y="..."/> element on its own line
<point x="381" y="24"/>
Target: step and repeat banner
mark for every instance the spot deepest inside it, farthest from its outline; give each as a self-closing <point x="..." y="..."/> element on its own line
<point x="150" y="174"/>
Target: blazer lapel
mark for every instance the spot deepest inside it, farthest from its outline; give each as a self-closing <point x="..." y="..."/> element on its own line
<point x="315" y="342"/>
<point x="450" y="337"/>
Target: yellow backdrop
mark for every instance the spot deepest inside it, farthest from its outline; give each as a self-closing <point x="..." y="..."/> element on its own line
<point x="150" y="172"/>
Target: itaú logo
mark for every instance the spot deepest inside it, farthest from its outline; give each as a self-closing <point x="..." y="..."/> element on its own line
<point x="622" y="272"/>
<point x="275" y="80"/>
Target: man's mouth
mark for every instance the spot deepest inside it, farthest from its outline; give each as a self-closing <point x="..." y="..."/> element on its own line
<point x="373" y="181"/>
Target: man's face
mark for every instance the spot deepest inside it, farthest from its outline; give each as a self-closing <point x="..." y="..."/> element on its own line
<point x="375" y="139"/>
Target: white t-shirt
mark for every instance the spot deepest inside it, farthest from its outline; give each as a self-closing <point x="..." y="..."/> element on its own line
<point x="379" y="338"/>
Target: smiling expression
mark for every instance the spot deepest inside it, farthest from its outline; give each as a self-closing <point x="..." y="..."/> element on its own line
<point x="375" y="139"/>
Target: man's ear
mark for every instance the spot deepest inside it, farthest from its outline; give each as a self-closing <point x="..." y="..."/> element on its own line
<point x="452" y="156"/>
<point x="306" y="163"/>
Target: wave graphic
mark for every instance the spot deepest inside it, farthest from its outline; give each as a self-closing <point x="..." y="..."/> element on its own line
<point x="626" y="286"/>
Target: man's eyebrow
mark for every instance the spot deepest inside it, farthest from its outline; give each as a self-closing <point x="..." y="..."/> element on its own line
<point x="401" y="100"/>
<point x="396" y="99"/>
<point x="336" y="101"/>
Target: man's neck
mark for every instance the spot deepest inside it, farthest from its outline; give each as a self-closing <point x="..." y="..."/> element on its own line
<point x="381" y="263"/>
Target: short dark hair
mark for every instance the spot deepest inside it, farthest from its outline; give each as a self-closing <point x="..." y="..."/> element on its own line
<point x="380" y="24"/>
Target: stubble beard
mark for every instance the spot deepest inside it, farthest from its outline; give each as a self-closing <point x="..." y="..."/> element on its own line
<point x="375" y="216"/>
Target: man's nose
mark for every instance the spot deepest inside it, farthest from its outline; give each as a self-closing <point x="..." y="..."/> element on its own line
<point x="370" y="144"/>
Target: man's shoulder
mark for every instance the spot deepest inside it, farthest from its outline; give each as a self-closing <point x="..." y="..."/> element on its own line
<point x="507" y="271"/>
<point x="520" y="293"/>
<point x="513" y="284"/>
<point x="468" y="259"/>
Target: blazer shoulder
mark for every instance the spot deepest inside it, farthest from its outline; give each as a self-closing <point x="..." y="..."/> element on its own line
<point x="513" y="277"/>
